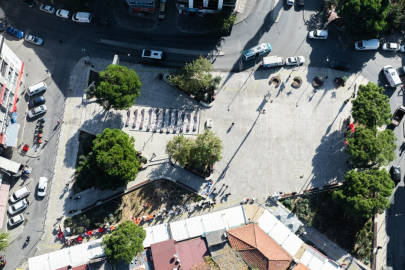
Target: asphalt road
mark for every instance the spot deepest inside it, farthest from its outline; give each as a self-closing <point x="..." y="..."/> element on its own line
<point x="288" y="37"/>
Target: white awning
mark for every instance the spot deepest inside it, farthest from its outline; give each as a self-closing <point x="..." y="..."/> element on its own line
<point x="155" y="234"/>
<point x="75" y="256"/>
<point x="9" y="165"/>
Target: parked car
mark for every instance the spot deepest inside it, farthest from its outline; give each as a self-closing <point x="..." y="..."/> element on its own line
<point x="290" y="2"/>
<point x="162" y="9"/>
<point x="398" y="116"/>
<point x="37" y="101"/>
<point x="14" y="32"/>
<point x="47" y="9"/>
<point x="318" y="34"/>
<point x="101" y="21"/>
<point x="16" y="220"/>
<point x="42" y="186"/>
<point x="395" y="172"/>
<point x="37" y="111"/>
<point x="301" y="2"/>
<point x="340" y="65"/>
<point x="34" y="40"/>
<point x="391" y="47"/>
<point x="402" y="48"/>
<point x="2" y="26"/>
<point x="29" y="3"/>
<point x="63" y="13"/>
<point x="296" y="60"/>
<point x="18" y="206"/>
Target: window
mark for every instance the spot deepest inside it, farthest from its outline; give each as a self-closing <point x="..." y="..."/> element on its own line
<point x="4" y="68"/>
<point x="15" y="78"/>
<point x="10" y="72"/>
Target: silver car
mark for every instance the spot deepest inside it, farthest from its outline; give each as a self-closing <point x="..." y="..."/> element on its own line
<point x="296" y="60"/>
<point x="47" y="9"/>
<point x="34" y="40"/>
<point x="37" y="111"/>
<point x="391" y="47"/>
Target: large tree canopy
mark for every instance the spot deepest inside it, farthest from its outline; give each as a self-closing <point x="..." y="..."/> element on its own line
<point x="205" y="150"/>
<point x="113" y="162"/>
<point x="368" y="148"/>
<point x="117" y="88"/>
<point x="194" y="76"/>
<point x="4" y="241"/>
<point x="364" y="19"/>
<point x="365" y="192"/>
<point x="124" y="243"/>
<point x="371" y="107"/>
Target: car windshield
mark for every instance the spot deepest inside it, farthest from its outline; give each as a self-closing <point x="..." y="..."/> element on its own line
<point x="33" y="111"/>
<point x="41" y="108"/>
<point x="13" y="207"/>
<point x="41" y="189"/>
<point x="35" y="39"/>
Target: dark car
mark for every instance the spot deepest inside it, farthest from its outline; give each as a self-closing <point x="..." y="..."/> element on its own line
<point x="340" y="65"/>
<point x="101" y="21"/>
<point x="395" y="173"/>
<point x="2" y="26"/>
<point x="37" y="101"/>
<point x="29" y="3"/>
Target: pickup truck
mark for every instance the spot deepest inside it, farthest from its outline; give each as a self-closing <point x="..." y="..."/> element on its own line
<point x="398" y="115"/>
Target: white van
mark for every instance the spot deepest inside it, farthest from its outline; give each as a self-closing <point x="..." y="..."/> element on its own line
<point x="63" y="13"/>
<point x="273" y="61"/>
<point x="392" y="76"/>
<point x="83" y="17"/>
<point x="19" y="194"/>
<point x="372" y="44"/>
<point x="35" y="89"/>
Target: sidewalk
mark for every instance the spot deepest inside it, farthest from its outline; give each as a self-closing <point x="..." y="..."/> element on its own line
<point x="380" y="255"/>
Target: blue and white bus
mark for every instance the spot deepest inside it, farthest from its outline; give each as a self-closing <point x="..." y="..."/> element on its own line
<point x="256" y="51"/>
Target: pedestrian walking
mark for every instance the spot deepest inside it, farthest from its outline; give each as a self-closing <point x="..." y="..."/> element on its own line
<point x="67" y="185"/>
<point x="223" y="185"/>
<point x="60" y="41"/>
<point x="46" y="141"/>
<point x="214" y="189"/>
<point x="58" y="122"/>
<point x="228" y="194"/>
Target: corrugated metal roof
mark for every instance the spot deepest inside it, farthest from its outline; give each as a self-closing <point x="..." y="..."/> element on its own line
<point x="163" y="254"/>
<point x="4" y="189"/>
<point x="155" y="234"/>
<point x="12" y="134"/>
<point x="215" y="238"/>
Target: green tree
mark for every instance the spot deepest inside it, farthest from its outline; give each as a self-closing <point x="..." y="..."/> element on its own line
<point x="124" y="242"/>
<point x="365" y="192"/>
<point x="179" y="149"/>
<point x="395" y="12"/>
<point x="4" y="241"/>
<point x="113" y="162"/>
<point x="205" y="150"/>
<point x="368" y="148"/>
<point x="371" y="107"/>
<point x="222" y="21"/>
<point x="194" y="77"/>
<point x="117" y="88"/>
<point x="364" y="19"/>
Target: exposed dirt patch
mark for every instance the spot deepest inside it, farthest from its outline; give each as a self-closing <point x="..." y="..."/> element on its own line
<point x="158" y="194"/>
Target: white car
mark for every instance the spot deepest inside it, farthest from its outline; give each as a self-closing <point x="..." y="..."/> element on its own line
<point x="42" y="186"/>
<point x="162" y="9"/>
<point x="34" y="40"/>
<point x="296" y="60"/>
<point x="290" y="2"/>
<point x="18" y="206"/>
<point x="16" y="220"/>
<point x="37" y="111"/>
<point x="390" y="47"/>
<point x="47" y="9"/>
<point x="318" y="34"/>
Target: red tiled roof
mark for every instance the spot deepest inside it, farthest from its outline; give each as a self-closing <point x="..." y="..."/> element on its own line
<point x="191" y="252"/>
<point x="163" y="255"/>
<point x="258" y="248"/>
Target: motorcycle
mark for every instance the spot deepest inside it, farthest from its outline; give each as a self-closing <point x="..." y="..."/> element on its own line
<point x="77" y="198"/>
<point x="27" y="240"/>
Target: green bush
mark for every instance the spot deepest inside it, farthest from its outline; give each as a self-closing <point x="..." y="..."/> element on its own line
<point x="222" y="21"/>
<point x="67" y="222"/>
<point x="79" y="230"/>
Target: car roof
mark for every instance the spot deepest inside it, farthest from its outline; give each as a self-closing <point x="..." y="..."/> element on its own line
<point x="17" y="218"/>
<point x="42" y="181"/>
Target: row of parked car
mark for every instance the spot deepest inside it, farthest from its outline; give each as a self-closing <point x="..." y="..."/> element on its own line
<point x="20" y="201"/>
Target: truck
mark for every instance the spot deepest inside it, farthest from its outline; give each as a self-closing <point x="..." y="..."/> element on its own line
<point x="398" y="115"/>
<point x="273" y="61"/>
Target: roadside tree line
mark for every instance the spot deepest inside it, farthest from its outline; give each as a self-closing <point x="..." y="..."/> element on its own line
<point x="368" y="186"/>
